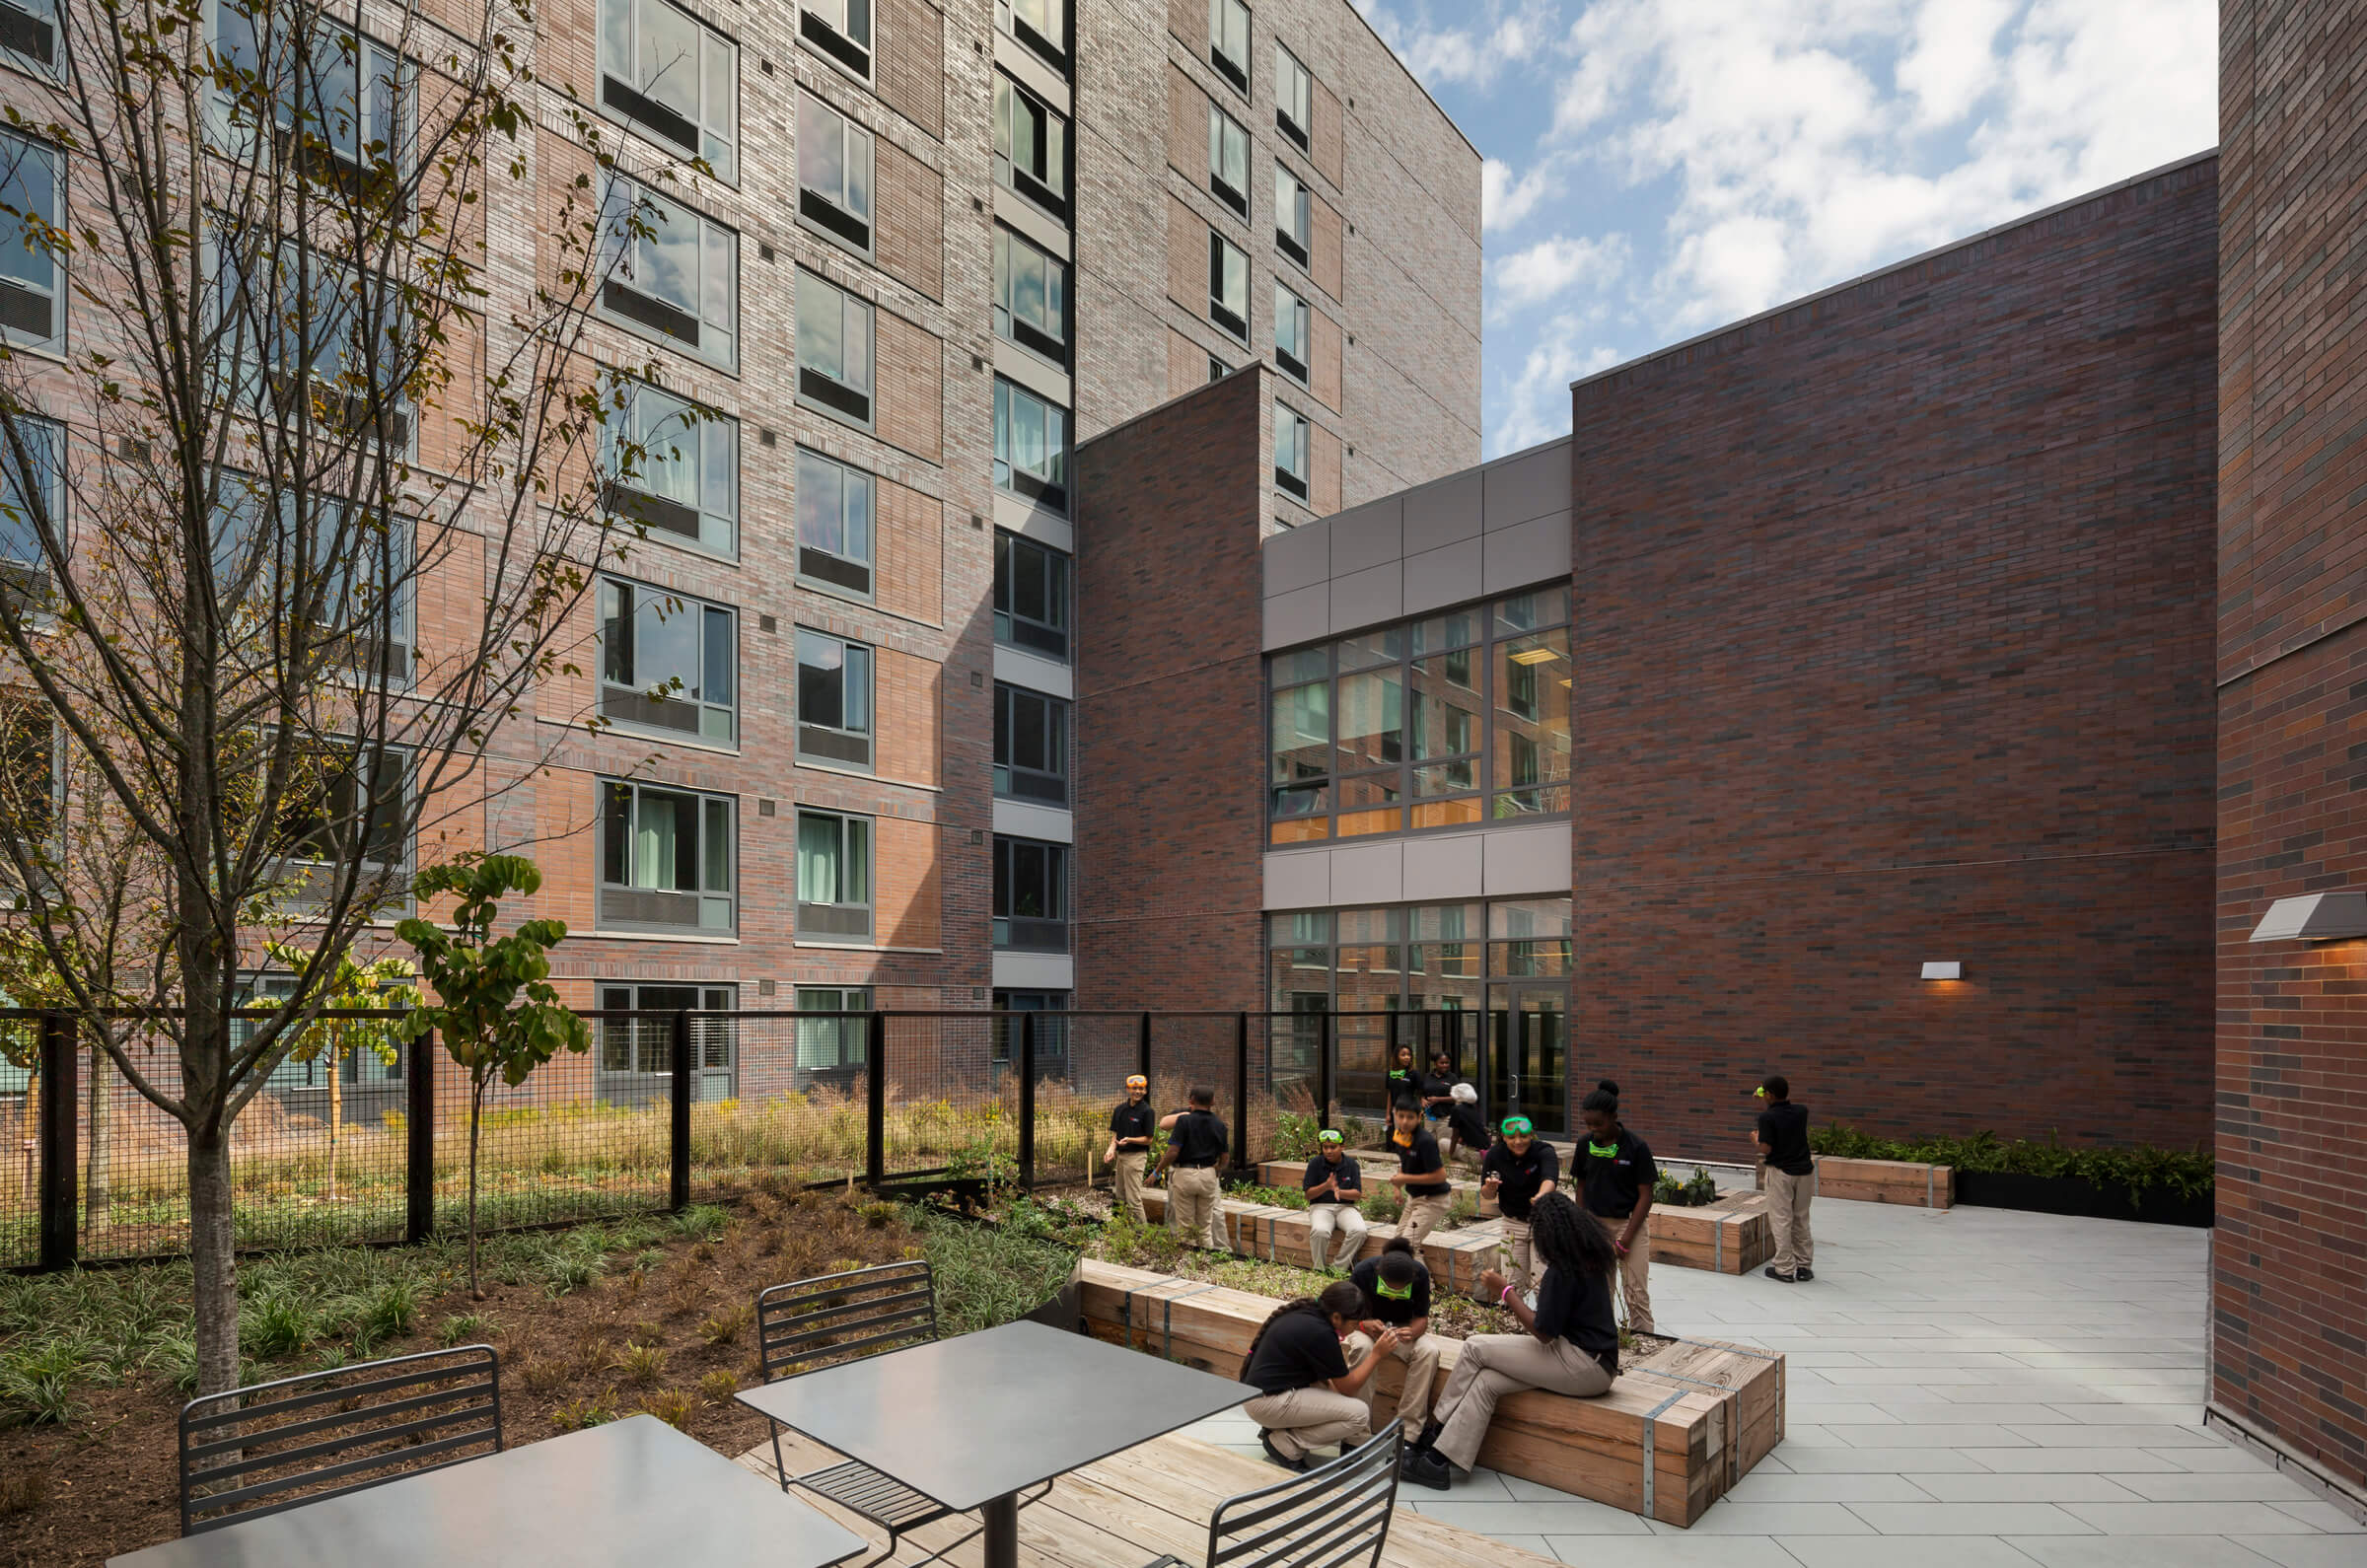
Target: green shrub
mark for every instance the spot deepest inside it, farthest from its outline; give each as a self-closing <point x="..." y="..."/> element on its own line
<point x="2136" y="1169"/>
<point x="277" y="1326"/>
<point x="703" y="1221"/>
<point x="1294" y="1135"/>
<point x="987" y="1274"/>
<point x="1701" y="1188"/>
<point x="582" y="1413"/>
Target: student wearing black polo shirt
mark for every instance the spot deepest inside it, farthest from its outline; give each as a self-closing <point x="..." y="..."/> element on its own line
<point x="1397" y="1295"/>
<point x="1196" y="1142"/>
<point x="1421" y="1174"/>
<point x="1791" y="1180"/>
<point x="1521" y="1168"/>
<point x="1308" y="1396"/>
<point x="1404" y="1079"/>
<point x="1333" y="1185"/>
<point x="1616" y="1169"/>
<point x="1130" y="1145"/>
<point x="1438" y="1092"/>
<point x="1467" y="1133"/>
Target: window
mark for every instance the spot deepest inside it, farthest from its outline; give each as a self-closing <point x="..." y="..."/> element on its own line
<point x="1030" y="597"/>
<point x="31" y="492"/>
<point x="666" y="860"/>
<point x="1228" y="160"/>
<point x="1294" y="215"/>
<point x="1030" y="747"/>
<point x="1291" y="433"/>
<point x="1292" y="322"/>
<point x="684" y="468"/>
<point x="833" y="876"/>
<point x="1031" y="297"/>
<point x="834" y="524"/>
<point x="831" y="1044"/>
<point x="1030" y="895"/>
<point x="29" y="32"/>
<point x="1229" y="40"/>
<point x="681" y="279"/>
<point x="671" y="76"/>
<point x="1294" y="98"/>
<point x="1228" y="285"/>
<point x="833" y="349"/>
<point x="1218" y="369"/>
<point x="840" y="30"/>
<point x="33" y="282"/>
<point x="833" y="700"/>
<point x="343" y="811"/>
<point x="359" y="582"/>
<point x="668" y="664"/>
<point x="28" y="775"/>
<point x="1041" y="25"/>
<point x="1030" y="446"/>
<point x="1050" y="1033"/>
<point x="637" y="1054"/>
<point x="315" y="340"/>
<point x="833" y="173"/>
<point x="343" y="113"/>
<point x="1031" y="147"/>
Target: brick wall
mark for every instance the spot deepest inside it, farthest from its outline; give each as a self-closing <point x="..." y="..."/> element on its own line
<point x="911" y="386"/>
<point x="911" y="201"/>
<point x="1892" y="630"/>
<point x="2290" y="1293"/>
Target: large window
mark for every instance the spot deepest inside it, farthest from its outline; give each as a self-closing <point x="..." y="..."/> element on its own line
<point x="317" y="339"/>
<point x="343" y="811"/>
<point x="1229" y="40"/>
<point x="1294" y="98"/>
<point x="1030" y="597"/>
<point x="33" y="283"/>
<point x="836" y="515"/>
<point x="678" y="278"/>
<point x="29" y="33"/>
<point x="1030" y="747"/>
<point x="1031" y="147"/>
<point x="829" y="1044"/>
<point x="833" y="700"/>
<point x="668" y="664"/>
<point x="840" y="30"/>
<point x="1294" y="215"/>
<point x="359" y="584"/>
<point x="1051" y="1030"/>
<point x="1444" y="722"/>
<point x="1228" y="160"/>
<point x="833" y="349"/>
<point x="1030" y="446"/>
<point x="344" y="104"/>
<point x="1031" y="297"/>
<point x="834" y="877"/>
<point x="1227" y="286"/>
<point x="674" y="78"/>
<point x="833" y="173"/>
<point x="1030" y="895"/>
<point x="1292" y="435"/>
<point x="637" y="1054"/>
<point x="32" y="489"/>
<point x="1293" y="323"/>
<point x="686" y="468"/>
<point x="1041" y="25"/>
<point x="666" y="861"/>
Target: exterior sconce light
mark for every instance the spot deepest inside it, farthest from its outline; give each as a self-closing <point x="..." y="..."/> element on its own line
<point x="1943" y="970"/>
<point x="2313" y="917"/>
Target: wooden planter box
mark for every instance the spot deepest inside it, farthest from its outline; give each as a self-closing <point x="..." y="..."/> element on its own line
<point x="1666" y="1441"/>
<point x="1920" y="1186"/>
<point x="1456" y="1257"/>
<point x="1729" y="1237"/>
<point x="1290" y="1173"/>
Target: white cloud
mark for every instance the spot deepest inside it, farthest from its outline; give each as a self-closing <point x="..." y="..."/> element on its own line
<point x="1480" y="43"/>
<point x="1505" y="201"/>
<point x="1551" y="267"/>
<point x="1539" y="397"/>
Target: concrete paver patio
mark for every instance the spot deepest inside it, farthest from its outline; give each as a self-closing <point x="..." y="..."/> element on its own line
<point x="2006" y="1389"/>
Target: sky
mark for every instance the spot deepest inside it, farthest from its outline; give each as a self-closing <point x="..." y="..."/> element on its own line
<point x="1658" y="168"/>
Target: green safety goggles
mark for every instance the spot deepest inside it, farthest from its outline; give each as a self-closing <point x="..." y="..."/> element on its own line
<point x="1381" y="1287"/>
<point x="1517" y="1128"/>
<point x="1328" y="1137"/>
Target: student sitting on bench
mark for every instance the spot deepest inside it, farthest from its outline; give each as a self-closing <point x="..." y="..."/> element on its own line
<point x="1397" y="1295"/>
<point x="1332" y="1184"/>
<point x="1309" y="1396"/>
<point x="1570" y="1343"/>
<point x="1421" y="1175"/>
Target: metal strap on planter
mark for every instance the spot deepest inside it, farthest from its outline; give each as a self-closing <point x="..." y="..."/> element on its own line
<point x="1731" y="1398"/>
<point x="1650" y="1445"/>
<point x="1717" y="1242"/>
<point x="1931" y="1186"/>
<point x="1167" y="1350"/>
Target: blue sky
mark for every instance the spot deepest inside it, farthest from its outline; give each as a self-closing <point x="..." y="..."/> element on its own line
<point x="1656" y="168"/>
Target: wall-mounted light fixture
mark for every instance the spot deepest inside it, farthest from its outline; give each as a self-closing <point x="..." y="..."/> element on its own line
<point x="1943" y="970"/>
<point x="2313" y="917"/>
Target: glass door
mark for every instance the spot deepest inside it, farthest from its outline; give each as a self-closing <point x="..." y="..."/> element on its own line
<point x="1526" y="1070"/>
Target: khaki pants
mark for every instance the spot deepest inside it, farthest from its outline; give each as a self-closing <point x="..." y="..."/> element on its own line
<point x="1635" y="1272"/>
<point x="1311" y="1418"/>
<point x="1514" y="1253"/>
<point x="1321" y="1218"/>
<point x="1788" y="1199"/>
<point x="1126" y="1180"/>
<point x="1419" y="1358"/>
<point x="1421" y="1216"/>
<point x="1492" y="1366"/>
<point x="1191" y="1194"/>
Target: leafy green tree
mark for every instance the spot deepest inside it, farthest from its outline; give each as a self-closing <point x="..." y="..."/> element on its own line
<point x="351" y="986"/>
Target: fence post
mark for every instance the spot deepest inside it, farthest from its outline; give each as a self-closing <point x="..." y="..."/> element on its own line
<point x="1027" y="1101"/>
<point x="1241" y="1091"/>
<point x="419" y="1160"/>
<point x="59" y="1157"/>
<point x="874" y="1070"/>
<point x="1323" y="1071"/>
<point x="678" y="1195"/>
<point x="1142" y="1048"/>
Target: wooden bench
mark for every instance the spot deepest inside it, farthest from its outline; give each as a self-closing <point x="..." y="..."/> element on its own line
<point x="1456" y="1257"/>
<point x="1920" y="1186"/>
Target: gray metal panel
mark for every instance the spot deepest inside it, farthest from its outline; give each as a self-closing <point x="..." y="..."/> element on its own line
<point x="1373" y="872"/>
<point x="1368" y="598"/>
<point x="1298" y="557"/>
<point x="1369" y="535"/>
<point x="1303" y="614"/>
<point x="1529" y="553"/>
<point x="1442" y="513"/>
<point x="1450" y="867"/>
<point x="1528" y="484"/>
<point x="1528" y="860"/>
<point x="1298" y="879"/>
<point x="1436" y="579"/>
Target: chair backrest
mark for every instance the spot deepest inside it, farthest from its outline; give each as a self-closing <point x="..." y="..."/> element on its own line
<point x="298" y="1440"/>
<point x="815" y="1322"/>
<point x="1327" y="1517"/>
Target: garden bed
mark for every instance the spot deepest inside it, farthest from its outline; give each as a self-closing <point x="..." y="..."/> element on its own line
<point x="1730" y="1236"/>
<point x="2077" y="1195"/>
<point x="1909" y="1183"/>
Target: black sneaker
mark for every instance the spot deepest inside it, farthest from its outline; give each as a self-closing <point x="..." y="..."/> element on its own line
<point x="1805" y="1272"/>
<point x="1425" y="1467"/>
<point x="1265" y="1440"/>
<point x="1775" y="1273"/>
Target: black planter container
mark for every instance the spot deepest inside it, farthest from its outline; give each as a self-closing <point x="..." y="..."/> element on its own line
<point x="2076" y="1195"/>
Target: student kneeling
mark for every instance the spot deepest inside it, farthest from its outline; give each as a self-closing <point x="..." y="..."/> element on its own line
<point x="1309" y="1396"/>
<point x="1571" y="1345"/>
<point x="1397" y="1295"/>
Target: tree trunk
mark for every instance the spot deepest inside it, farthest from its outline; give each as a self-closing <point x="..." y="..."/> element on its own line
<point x="476" y="1112"/>
<point x="214" y="1263"/>
<point x="98" y="1157"/>
<point x="337" y="1115"/>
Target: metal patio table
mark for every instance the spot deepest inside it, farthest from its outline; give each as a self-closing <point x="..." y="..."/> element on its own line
<point x="626" y="1495"/>
<point x="972" y="1421"/>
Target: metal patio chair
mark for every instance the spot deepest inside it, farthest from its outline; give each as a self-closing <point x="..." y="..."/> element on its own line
<point x="294" y="1441"/>
<point x="1327" y="1517"/>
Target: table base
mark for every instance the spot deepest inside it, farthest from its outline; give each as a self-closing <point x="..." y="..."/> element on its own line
<point x="1001" y="1518"/>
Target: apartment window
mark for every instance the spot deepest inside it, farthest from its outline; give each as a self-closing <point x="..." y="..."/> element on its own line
<point x="1041" y="25"/>
<point x="354" y="100"/>
<point x="1051" y="1030"/>
<point x="1228" y="160"/>
<point x="1228" y="285"/>
<point x="833" y="876"/>
<point x="32" y="281"/>
<point x="359" y="581"/>
<point x="1292" y="322"/>
<point x="1294" y="215"/>
<point x="678" y="279"/>
<point x="321" y="340"/>
<point x="1031" y="297"/>
<point x="1291" y="433"/>
<point x="829" y="1044"/>
<point x="833" y="173"/>
<point x="31" y="492"/>
<point x="836" y="524"/>
<point x="833" y="700"/>
<point x="637" y="1054"/>
<point x="666" y="860"/>
<point x="1030" y="597"/>
<point x="1294" y="98"/>
<point x="344" y="811"/>
<point x="29" y="32"/>
<point x="1030" y="747"/>
<point x="668" y="664"/>
<point x="1229" y="40"/>
<point x="1031" y="147"/>
<point x="1218" y="369"/>
<point x="1030" y="895"/>
<point x="684" y="463"/>
<point x="833" y="349"/>
<point x="674" y="78"/>
<point x="1030" y="446"/>
<point x="840" y="30"/>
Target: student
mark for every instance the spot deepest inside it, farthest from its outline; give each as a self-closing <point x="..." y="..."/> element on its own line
<point x="1467" y="1134"/>
<point x="1438" y="1090"/>
<point x="1196" y="1142"/>
<point x="1130" y="1145"/>
<point x="1308" y="1396"/>
<point x="1570" y="1343"/>
<point x="1403" y="1079"/>
<point x="1334" y="1183"/>
<point x="1617" y="1170"/>
<point x="1521" y="1168"/>
<point x="1421" y="1174"/>
<point x="1397" y="1295"/>
<point x="1791" y="1180"/>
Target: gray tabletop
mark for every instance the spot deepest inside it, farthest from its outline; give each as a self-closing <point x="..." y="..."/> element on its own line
<point x="966" y="1420"/>
<point x="627" y="1496"/>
